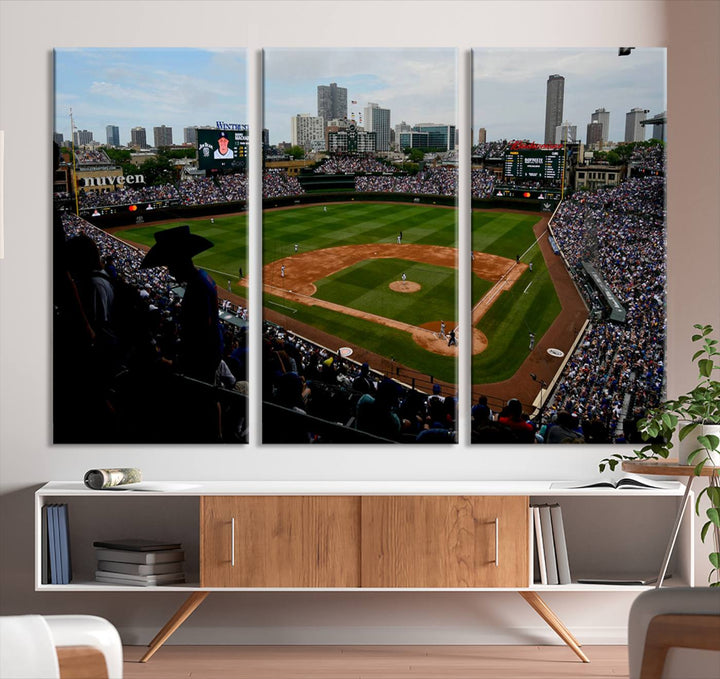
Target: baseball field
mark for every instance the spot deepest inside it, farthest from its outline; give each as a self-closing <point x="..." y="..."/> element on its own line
<point x="349" y="278"/>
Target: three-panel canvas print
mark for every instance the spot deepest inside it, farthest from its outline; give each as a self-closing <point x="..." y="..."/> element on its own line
<point x="360" y="331"/>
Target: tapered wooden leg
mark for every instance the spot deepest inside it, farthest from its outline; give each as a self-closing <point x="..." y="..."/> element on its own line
<point x="546" y="613"/>
<point x="181" y="615"/>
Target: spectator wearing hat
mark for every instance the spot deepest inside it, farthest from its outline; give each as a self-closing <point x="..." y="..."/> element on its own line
<point x="200" y="348"/>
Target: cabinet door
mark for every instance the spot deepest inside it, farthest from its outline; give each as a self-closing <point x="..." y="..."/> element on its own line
<point x="441" y="541"/>
<point x="303" y="541"/>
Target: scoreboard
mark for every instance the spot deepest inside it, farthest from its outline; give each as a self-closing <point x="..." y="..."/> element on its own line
<point x="222" y="150"/>
<point x="534" y="164"/>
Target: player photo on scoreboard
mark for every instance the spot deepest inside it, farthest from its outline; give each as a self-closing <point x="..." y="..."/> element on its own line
<point x="360" y="331"/>
<point x="568" y="243"/>
<point x="150" y="246"/>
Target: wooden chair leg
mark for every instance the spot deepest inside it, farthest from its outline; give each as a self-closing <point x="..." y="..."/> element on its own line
<point x="547" y="614"/>
<point x="180" y="616"/>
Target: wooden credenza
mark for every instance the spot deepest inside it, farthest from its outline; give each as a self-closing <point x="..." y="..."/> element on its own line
<point x="394" y="541"/>
<point x="355" y="536"/>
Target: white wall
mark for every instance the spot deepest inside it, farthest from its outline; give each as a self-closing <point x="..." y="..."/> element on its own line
<point x="28" y="32"/>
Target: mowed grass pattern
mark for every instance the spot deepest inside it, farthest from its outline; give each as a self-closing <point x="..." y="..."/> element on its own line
<point x="507" y="323"/>
<point x="366" y="286"/>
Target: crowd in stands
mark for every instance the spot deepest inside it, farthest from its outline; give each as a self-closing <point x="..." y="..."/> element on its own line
<point x="353" y="164"/>
<point x="490" y="149"/>
<point x="649" y="158"/>
<point x="483" y="183"/>
<point x="617" y="371"/>
<point x="92" y="157"/>
<point x="234" y="186"/>
<point x="310" y="380"/>
<point x="436" y="181"/>
<point x="133" y="313"/>
<point x="127" y="195"/>
<point x="201" y="191"/>
<point x="278" y="183"/>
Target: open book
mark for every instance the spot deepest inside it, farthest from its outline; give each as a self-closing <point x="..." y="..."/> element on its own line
<point x="620" y="482"/>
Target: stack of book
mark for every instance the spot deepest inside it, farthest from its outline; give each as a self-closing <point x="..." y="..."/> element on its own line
<point x="143" y="563"/>
<point x="552" y="565"/>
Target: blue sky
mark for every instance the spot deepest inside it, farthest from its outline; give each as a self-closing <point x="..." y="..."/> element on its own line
<point x="509" y="88"/>
<point x="417" y="85"/>
<point x="183" y="87"/>
<point x="147" y="88"/>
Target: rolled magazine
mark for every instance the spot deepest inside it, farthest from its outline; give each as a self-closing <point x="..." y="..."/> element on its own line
<point x="100" y="479"/>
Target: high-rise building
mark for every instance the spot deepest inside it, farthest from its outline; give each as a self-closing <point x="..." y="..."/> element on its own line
<point x="112" y="134"/>
<point x="190" y="135"/>
<point x="307" y="131"/>
<point x="482" y="135"/>
<point x="554" y="106"/>
<point x="82" y="137"/>
<point x="58" y="138"/>
<point x="594" y="133"/>
<point x="439" y="136"/>
<point x="634" y="131"/>
<point x="331" y="102"/>
<point x="603" y="117"/>
<point x="378" y="120"/>
<point x="565" y="133"/>
<point x="138" y="138"/>
<point x="162" y="136"/>
<point x="658" y="123"/>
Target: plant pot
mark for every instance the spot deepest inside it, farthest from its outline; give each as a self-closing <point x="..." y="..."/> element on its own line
<point x="691" y="443"/>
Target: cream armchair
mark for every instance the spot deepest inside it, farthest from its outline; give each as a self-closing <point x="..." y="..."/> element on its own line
<point x="674" y="633"/>
<point x="59" y="647"/>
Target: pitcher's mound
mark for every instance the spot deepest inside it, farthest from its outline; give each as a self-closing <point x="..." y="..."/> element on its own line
<point x="404" y="286"/>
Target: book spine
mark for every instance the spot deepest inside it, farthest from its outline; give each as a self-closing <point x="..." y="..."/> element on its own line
<point x="54" y="545"/>
<point x="549" y="545"/>
<point x="64" y="544"/>
<point x="561" y="551"/>
<point x="45" y="561"/>
<point x="540" y="546"/>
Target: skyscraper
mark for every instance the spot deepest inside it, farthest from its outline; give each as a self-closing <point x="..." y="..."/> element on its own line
<point x="565" y="133"/>
<point x="554" y="106"/>
<point x="190" y="135"/>
<point x="82" y="137"/>
<point x="162" y="135"/>
<point x="138" y="137"/>
<point x="378" y="120"/>
<point x="112" y="134"/>
<point x="594" y="133"/>
<point x="482" y="135"/>
<point x="307" y="131"/>
<point x="603" y="117"/>
<point x="634" y="131"/>
<point x="331" y="102"/>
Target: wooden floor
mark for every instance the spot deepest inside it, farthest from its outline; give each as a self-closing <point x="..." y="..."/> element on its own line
<point x="375" y="662"/>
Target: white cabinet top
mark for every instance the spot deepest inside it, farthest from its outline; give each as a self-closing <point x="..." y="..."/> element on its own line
<point x="199" y="488"/>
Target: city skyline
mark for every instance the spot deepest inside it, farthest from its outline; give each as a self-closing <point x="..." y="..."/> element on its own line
<point x="509" y="88"/>
<point x="148" y="87"/>
<point x="417" y="85"/>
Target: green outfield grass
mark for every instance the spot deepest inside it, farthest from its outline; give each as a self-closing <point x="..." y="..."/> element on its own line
<point x="365" y="285"/>
<point x="530" y="305"/>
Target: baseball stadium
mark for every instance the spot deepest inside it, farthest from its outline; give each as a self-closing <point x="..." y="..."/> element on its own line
<point x="360" y="329"/>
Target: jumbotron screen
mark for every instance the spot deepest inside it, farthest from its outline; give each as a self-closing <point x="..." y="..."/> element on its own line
<point x="534" y="164"/>
<point x="222" y="149"/>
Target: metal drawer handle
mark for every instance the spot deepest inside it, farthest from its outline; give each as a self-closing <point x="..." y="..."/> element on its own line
<point x="497" y="542"/>
<point x="232" y="542"/>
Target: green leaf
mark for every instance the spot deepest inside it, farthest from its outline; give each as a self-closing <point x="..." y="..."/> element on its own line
<point x="715" y="559"/>
<point x="695" y="338"/>
<point x="687" y="429"/>
<point x="704" y="530"/>
<point x="699" y="467"/>
<point x="714" y="516"/>
<point x="705" y="366"/>
<point x="713" y="493"/>
<point x="697" y="354"/>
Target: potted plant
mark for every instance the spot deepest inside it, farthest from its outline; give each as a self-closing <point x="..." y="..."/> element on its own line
<point x="695" y="417"/>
